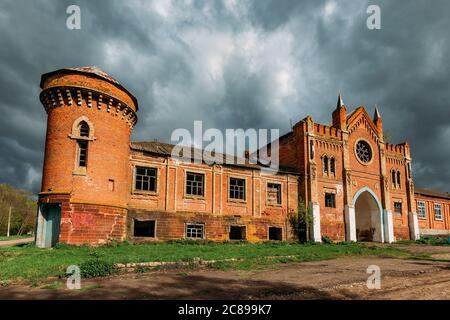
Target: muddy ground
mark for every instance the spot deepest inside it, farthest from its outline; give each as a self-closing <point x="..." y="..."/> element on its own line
<point x="343" y="278"/>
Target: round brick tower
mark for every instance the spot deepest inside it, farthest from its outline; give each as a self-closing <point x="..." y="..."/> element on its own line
<point x="86" y="174"/>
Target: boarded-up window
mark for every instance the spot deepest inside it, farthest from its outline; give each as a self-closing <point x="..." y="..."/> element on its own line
<point x="273" y="193"/>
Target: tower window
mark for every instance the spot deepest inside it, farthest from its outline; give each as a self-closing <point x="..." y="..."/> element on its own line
<point x="145" y="179"/>
<point x="325" y="165"/>
<point x="333" y="166"/>
<point x="237" y="188"/>
<point x="399" y="185"/>
<point x="330" y="200"/>
<point x="82" y="153"/>
<point x="393" y="179"/>
<point x="84" y="129"/>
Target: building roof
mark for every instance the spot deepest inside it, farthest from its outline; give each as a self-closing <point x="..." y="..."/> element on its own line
<point x="92" y="71"/>
<point x="165" y="150"/>
<point x="432" y="193"/>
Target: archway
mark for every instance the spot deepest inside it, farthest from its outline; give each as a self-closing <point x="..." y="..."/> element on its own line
<point x="368" y="216"/>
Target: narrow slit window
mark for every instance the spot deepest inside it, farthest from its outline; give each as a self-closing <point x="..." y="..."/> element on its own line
<point x="333" y="166"/>
<point x="399" y="185"/>
<point x="325" y="165"/>
<point x="393" y="180"/>
<point x="82" y="153"/>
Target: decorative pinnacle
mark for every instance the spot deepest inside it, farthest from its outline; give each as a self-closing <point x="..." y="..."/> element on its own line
<point x="340" y="102"/>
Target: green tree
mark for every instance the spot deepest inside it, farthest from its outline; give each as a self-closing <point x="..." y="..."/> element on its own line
<point x="23" y="210"/>
<point x="301" y="221"/>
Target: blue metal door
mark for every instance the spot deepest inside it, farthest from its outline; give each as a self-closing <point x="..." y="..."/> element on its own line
<point x="52" y="220"/>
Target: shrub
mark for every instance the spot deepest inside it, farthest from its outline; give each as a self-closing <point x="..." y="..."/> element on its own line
<point x="326" y="239"/>
<point x="96" y="268"/>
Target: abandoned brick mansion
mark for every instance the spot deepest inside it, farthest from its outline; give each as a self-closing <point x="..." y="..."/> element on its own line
<point x="98" y="186"/>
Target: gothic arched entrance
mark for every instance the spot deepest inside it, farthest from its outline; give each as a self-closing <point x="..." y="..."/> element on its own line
<point x="368" y="216"/>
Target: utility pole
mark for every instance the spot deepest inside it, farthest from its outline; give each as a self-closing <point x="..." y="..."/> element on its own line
<point x="9" y="220"/>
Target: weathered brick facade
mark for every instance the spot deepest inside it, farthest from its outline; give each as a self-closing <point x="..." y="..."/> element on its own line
<point x="356" y="190"/>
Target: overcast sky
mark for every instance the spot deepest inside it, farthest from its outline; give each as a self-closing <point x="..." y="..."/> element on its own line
<point x="234" y="64"/>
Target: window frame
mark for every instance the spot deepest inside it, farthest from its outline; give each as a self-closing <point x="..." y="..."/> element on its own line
<point x="137" y="191"/>
<point x="438" y="205"/>
<point x="333" y="198"/>
<point x="244" y="190"/>
<point x="190" y="195"/>
<point x="424" y="209"/>
<point x="195" y="224"/>
<point x="401" y="207"/>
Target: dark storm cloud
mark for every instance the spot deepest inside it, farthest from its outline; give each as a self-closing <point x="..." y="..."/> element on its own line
<point x="234" y="64"/>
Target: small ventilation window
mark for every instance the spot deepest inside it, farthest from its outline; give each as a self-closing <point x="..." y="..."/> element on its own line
<point x="237" y="233"/>
<point x="144" y="228"/>
<point x="275" y="233"/>
<point x="194" y="231"/>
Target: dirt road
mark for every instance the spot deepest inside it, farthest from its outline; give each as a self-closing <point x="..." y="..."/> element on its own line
<point x="8" y="243"/>
<point x="343" y="278"/>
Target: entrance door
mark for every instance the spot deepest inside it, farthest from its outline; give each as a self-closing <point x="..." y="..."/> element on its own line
<point x="51" y="220"/>
<point x="368" y="218"/>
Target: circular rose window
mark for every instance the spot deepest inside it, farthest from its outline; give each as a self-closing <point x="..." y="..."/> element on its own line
<point x="363" y="151"/>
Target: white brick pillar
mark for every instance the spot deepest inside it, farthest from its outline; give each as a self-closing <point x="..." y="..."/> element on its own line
<point x="350" y="223"/>
<point x="414" y="226"/>
<point x="388" y="226"/>
<point x="316" y="236"/>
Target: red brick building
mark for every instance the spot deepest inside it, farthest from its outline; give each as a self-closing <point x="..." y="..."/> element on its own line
<point x="98" y="186"/>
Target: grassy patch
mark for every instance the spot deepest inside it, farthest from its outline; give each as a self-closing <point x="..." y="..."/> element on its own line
<point x="32" y="264"/>
<point x="431" y="241"/>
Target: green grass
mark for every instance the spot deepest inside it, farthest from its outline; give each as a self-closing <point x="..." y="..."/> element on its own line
<point x="5" y="238"/>
<point x="432" y="241"/>
<point x="31" y="264"/>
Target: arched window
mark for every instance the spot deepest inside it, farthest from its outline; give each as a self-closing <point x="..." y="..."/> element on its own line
<point x="83" y="136"/>
<point x="399" y="184"/>
<point x="332" y="166"/>
<point x="393" y="179"/>
<point x="325" y="165"/>
<point x="84" y="129"/>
